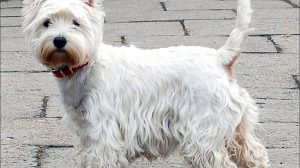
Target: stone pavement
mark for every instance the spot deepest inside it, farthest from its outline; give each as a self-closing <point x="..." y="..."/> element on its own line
<point x="32" y="134"/>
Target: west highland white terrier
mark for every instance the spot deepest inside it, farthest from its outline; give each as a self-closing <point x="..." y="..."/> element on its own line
<point x="125" y="102"/>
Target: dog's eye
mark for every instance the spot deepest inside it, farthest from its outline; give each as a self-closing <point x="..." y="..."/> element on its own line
<point x="76" y="23"/>
<point x="47" y="23"/>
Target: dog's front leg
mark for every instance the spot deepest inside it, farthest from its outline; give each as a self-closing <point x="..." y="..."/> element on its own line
<point x="104" y="150"/>
<point x="101" y="141"/>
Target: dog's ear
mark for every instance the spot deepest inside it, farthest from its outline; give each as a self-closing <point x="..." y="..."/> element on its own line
<point x="90" y="3"/>
<point x="30" y="10"/>
<point x="94" y="3"/>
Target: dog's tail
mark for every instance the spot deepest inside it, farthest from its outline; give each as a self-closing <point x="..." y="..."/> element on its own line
<point x="233" y="46"/>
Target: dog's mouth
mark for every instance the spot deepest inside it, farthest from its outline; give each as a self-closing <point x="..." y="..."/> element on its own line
<point x="58" y="58"/>
<point x="59" y="50"/>
<point x="53" y="57"/>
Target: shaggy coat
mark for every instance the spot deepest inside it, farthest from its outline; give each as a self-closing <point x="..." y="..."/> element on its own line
<point x="128" y="102"/>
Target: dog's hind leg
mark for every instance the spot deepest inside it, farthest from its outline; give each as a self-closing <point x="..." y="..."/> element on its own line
<point x="201" y="157"/>
<point x="246" y="150"/>
<point x="204" y="143"/>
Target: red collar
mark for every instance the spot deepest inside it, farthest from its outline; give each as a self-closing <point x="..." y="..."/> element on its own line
<point x="66" y="71"/>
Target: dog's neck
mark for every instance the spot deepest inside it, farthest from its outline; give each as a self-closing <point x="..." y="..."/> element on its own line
<point x="72" y="87"/>
<point x="65" y="71"/>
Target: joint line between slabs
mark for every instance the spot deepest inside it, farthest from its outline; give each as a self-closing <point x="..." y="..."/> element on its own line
<point x="277" y="47"/>
<point x="185" y="30"/>
<point x="44" y="107"/>
<point x="163" y="6"/>
<point x="296" y="79"/>
<point x="291" y="3"/>
<point x="40" y="154"/>
<point x="124" y="41"/>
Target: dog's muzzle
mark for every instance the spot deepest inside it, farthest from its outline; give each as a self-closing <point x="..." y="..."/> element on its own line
<point x="59" y="42"/>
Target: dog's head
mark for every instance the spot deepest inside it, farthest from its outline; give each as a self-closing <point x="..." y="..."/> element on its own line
<point x="63" y="32"/>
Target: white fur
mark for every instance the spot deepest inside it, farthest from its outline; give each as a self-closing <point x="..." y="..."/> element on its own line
<point x="130" y="102"/>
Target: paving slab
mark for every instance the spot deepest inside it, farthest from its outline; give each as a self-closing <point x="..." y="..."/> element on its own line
<point x="284" y="158"/>
<point x="209" y="27"/>
<point x="38" y="131"/>
<point x="27" y="62"/>
<point x="195" y="5"/>
<point x="29" y="90"/>
<point x="11" y="44"/>
<point x="278" y="111"/>
<point x="11" y="4"/>
<point x="288" y="44"/>
<point x="273" y="93"/>
<point x="10" y="12"/>
<point x="271" y="135"/>
<point x="262" y="26"/>
<point x="276" y="26"/>
<point x="267" y="70"/>
<point x="11" y="32"/>
<point x="120" y="16"/>
<point x="10" y="22"/>
<point x="17" y="156"/>
<point x="144" y="29"/>
<point x="253" y="44"/>
<point x="55" y="108"/>
<point x="55" y="157"/>
<point x="288" y="13"/>
<point x="140" y="5"/>
<point x="279" y="157"/>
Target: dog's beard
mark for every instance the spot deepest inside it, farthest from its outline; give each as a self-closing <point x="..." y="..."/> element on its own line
<point x="70" y="55"/>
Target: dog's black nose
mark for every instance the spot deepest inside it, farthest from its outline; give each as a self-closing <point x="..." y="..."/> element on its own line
<point x="59" y="42"/>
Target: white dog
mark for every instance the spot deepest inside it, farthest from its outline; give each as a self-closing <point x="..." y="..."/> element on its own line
<point x="125" y="102"/>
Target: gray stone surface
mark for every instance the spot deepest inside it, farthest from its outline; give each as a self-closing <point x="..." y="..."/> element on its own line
<point x="224" y="27"/>
<point x="17" y="156"/>
<point x="28" y="62"/>
<point x="10" y="12"/>
<point x="10" y="21"/>
<point x="13" y="44"/>
<point x="276" y="26"/>
<point x="120" y="16"/>
<point x="35" y="131"/>
<point x="288" y="44"/>
<point x="284" y="158"/>
<point x="11" y="4"/>
<point x="254" y="44"/>
<point x="274" y="134"/>
<point x="286" y="13"/>
<point x="24" y="87"/>
<point x="144" y="29"/>
<point x="33" y="135"/>
<point x="195" y="5"/>
<point x="261" y="68"/>
<point x="209" y="27"/>
<point x="11" y="32"/>
<point x="280" y="111"/>
<point x="55" y="157"/>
